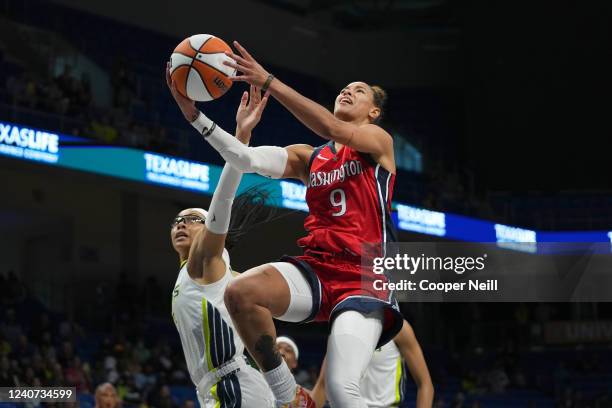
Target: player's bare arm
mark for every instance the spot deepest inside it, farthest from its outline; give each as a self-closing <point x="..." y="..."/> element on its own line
<point x="318" y="391"/>
<point x="412" y="354"/>
<point x="298" y="156"/>
<point x="362" y="135"/>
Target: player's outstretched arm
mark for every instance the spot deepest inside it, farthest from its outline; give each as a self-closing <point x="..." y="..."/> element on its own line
<point x="367" y="138"/>
<point x="205" y="256"/>
<point x="412" y="354"/>
<point x="318" y="391"/>
<point x="269" y="161"/>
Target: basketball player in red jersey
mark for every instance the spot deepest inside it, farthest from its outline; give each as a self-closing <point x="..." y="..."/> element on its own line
<point x="350" y="183"/>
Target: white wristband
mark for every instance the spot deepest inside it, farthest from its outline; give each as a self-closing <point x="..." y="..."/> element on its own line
<point x="204" y="125"/>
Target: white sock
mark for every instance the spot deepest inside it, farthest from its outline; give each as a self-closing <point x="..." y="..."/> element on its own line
<point x="282" y="383"/>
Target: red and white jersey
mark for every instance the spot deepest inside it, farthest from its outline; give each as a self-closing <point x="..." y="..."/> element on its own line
<point x="349" y="197"/>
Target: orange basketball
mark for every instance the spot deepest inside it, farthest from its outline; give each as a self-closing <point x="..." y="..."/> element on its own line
<point x="196" y="66"/>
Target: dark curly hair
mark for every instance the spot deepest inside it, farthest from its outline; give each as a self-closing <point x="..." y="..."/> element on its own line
<point x="380" y="99"/>
<point x="249" y="210"/>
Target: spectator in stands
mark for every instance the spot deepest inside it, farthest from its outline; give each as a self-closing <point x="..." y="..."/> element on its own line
<point x="150" y="296"/>
<point x="141" y="353"/>
<point x="498" y="379"/>
<point x="179" y="374"/>
<point x="14" y="88"/>
<point x="38" y="365"/>
<point x="440" y="403"/>
<point x="123" y="82"/>
<point x="55" y="100"/>
<point x="159" y="141"/>
<point x="11" y="329"/>
<point x="23" y="350"/>
<point x="106" y="396"/>
<point x="28" y="377"/>
<point x="163" y="398"/>
<point x="188" y="404"/>
<point x="69" y="330"/>
<point x="136" y="136"/>
<point x="458" y="400"/>
<point x="138" y="377"/>
<point x="46" y="346"/>
<point x="7" y="376"/>
<point x="5" y="346"/>
<point x="129" y="392"/>
<point x="65" y="79"/>
<point x="29" y="98"/>
<point x="84" y="98"/>
<point x="41" y="326"/>
<point x="110" y="367"/>
<point x="57" y="375"/>
<point x="74" y="376"/>
<point x="149" y="376"/>
<point x="163" y="358"/>
<point x="66" y="353"/>
<point x="103" y="130"/>
<point x="472" y="383"/>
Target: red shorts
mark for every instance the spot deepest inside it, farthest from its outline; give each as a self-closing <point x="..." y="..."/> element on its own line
<point x="339" y="283"/>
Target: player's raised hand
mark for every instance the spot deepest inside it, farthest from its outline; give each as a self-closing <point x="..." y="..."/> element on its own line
<point x="186" y="105"/>
<point x="249" y="112"/>
<point x="252" y="72"/>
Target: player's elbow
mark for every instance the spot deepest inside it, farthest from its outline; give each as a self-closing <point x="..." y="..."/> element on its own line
<point x="425" y="386"/>
<point x="241" y="160"/>
<point x="268" y="161"/>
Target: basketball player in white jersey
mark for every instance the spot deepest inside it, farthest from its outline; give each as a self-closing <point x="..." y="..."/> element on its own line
<point x="383" y="382"/>
<point x="213" y="350"/>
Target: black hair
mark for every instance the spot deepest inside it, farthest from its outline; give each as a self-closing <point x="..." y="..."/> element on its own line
<point x="380" y="99"/>
<point x="249" y="210"/>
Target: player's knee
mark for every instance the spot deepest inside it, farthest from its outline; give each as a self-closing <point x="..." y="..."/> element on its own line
<point x="342" y="392"/>
<point x="239" y="295"/>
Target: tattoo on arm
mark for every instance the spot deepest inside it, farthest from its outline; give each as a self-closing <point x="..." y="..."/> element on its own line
<point x="266" y="348"/>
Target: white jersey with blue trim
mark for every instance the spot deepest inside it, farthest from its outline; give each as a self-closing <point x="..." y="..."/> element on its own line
<point x="209" y="339"/>
<point x="383" y="382"/>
